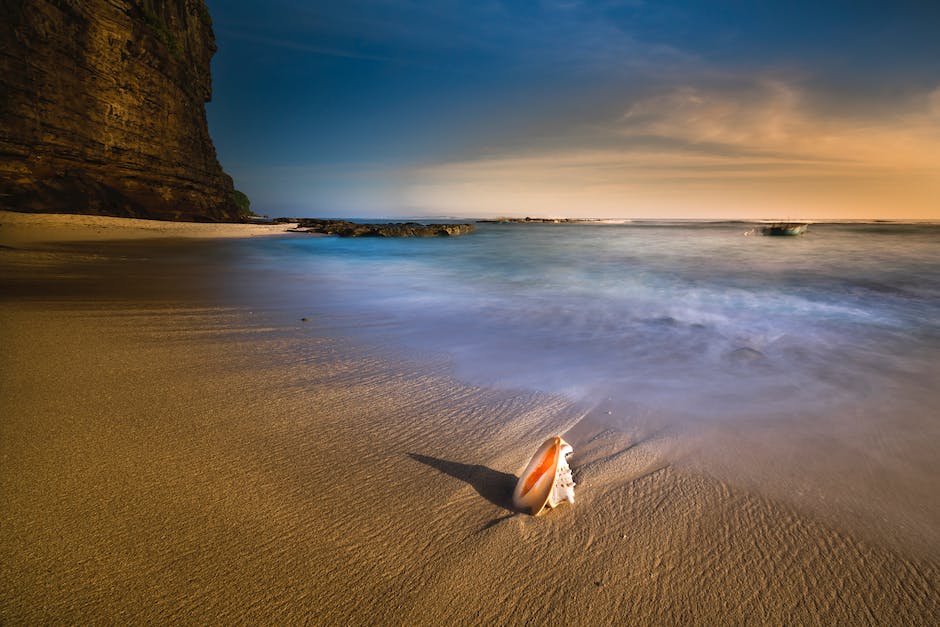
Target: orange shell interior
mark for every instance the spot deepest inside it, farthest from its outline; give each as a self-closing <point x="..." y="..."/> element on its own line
<point x="546" y="465"/>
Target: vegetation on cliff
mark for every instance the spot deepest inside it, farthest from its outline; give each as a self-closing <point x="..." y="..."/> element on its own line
<point x="162" y="31"/>
<point x="242" y="202"/>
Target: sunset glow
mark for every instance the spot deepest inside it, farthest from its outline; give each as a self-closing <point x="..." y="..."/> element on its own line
<point x="607" y="109"/>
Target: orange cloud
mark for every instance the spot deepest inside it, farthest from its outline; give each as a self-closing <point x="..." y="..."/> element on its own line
<point x="700" y="152"/>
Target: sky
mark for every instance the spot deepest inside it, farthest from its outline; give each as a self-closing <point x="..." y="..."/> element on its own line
<point x="551" y="108"/>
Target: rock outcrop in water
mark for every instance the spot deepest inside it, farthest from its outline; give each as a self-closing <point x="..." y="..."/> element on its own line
<point x="390" y="229"/>
<point x="102" y="109"/>
<point x="537" y="220"/>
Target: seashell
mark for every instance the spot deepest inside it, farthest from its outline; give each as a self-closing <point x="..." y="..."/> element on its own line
<point x="546" y="481"/>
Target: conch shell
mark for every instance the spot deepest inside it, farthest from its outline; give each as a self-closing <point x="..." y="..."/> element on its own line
<point x="546" y="480"/>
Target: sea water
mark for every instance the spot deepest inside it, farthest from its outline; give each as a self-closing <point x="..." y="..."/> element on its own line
<point x="708" y="318"/>
<point x="809" y="363"/>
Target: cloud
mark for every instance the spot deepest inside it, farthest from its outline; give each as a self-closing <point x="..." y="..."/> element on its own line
<point x="481" y="36"/>
<point x="933" y="103"/>
<point x="753" y="147"/>
<point x="295" y="46"/>
<point x="768" y="114"/>
<point x="773" y="117"/>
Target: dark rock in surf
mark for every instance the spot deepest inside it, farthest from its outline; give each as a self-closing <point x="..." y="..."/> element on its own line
<point x="342" y="228"/>
<point x="746" y="355"/>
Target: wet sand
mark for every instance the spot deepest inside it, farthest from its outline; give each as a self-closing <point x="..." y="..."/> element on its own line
<point x="167" y="457"/>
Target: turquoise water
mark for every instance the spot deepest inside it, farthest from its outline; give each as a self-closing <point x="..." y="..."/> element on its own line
<point x="706" y="319"/>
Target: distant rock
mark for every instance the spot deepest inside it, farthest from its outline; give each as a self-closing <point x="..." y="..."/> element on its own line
<point x="746" y="355"/>
<point x="342" y="228"/>
<point x="528" y="220"/>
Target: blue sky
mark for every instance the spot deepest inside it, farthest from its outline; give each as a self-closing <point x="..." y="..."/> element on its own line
<point x="561" y="107"/>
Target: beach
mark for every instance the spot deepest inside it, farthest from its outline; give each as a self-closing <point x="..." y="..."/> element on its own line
<point x="174" y="450"/>
<point x="28" y="229"/>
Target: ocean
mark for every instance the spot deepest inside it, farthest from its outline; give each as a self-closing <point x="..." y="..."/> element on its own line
<point x="708" y="319"/>
<point x="807" y="367"/>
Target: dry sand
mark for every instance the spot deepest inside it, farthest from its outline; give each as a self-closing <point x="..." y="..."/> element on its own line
<point x="166" y="460"/>
<point x="19" y="230"/>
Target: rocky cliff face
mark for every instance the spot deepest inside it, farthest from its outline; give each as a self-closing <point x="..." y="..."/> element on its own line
<point x="102" y="109"/>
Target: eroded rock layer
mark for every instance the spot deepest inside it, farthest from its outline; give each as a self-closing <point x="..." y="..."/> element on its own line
<point x="102" y="109"/>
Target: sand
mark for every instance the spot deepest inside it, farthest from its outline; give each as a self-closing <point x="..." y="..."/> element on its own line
<point x="20" y="230"/>
<point x="170" y="458"/>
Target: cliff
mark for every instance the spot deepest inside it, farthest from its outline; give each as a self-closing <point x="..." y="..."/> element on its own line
<point x="102" y="109"/>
